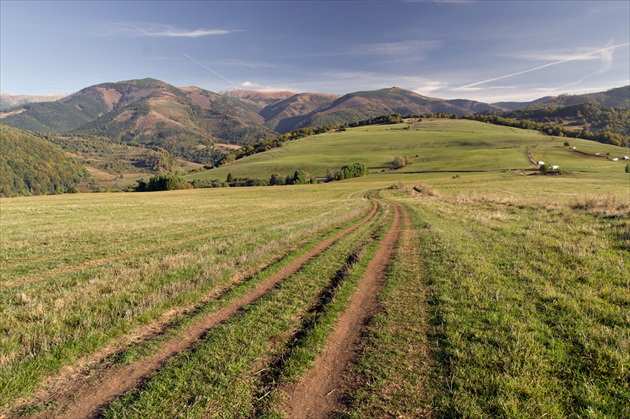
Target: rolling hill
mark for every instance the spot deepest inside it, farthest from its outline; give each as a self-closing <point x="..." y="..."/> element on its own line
<point x="432" y="145"/>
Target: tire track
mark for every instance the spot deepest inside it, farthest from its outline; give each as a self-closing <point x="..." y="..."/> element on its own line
<point x="320" y="392"/>
<point x="83" y="399"/>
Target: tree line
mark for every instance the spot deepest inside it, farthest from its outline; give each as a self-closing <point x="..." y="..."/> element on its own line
<point x="168" y="182"/>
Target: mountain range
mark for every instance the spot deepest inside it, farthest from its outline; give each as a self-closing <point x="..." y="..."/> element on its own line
<point x="186" y="120"/>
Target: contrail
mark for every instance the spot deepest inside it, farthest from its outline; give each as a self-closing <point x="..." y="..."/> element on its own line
<point x="577" y="57"/>
<point x="207" y="68"/>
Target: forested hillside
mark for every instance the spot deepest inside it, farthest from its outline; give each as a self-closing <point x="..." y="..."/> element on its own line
<point x="31" y="166"/>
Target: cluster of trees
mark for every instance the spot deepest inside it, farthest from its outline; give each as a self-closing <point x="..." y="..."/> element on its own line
<point x="347" y="172"/>
<point x="299" y="177"/>
<point x="168" y="182"/>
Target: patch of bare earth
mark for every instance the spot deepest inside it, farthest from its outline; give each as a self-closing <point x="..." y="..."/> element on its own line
<point x="320" y="393"/>
<point x="83" y="394"/>
<point x="110" y="96"/>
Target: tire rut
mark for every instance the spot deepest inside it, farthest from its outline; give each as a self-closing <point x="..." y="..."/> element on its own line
<point x="85" y="399"/>
<point x="320" y="392"/>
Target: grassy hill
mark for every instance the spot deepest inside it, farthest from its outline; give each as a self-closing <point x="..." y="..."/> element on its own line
<point x="431" y="145"/>
<point x="31" y="166"/>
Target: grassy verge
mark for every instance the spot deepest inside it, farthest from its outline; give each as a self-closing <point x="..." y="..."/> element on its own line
<point x="220" y="376"/>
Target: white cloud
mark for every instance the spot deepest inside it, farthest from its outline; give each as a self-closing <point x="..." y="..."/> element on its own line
<point x="428" y="87"/>
<point x="249" y="85"/>
<point x="162" y="31"/>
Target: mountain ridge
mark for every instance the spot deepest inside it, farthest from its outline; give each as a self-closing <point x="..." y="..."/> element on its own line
<point x="184" y="120"/>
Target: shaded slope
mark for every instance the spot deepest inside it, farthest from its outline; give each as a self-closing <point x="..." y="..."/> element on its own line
<point x="32" y="166"/>
<point x="173" y="120"/>
<point x="83" y="106"/>
<point x="287" y="114"/>
<point x="259" y="99"/>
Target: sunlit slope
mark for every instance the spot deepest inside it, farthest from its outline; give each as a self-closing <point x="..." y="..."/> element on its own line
<point x="431" y="145"/>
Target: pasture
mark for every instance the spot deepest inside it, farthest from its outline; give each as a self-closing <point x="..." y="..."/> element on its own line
<point x="508" y="293"/>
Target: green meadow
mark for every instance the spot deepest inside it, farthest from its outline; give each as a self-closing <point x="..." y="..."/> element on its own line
<point x="509" y="295"/>
<point x="431" y="145"/>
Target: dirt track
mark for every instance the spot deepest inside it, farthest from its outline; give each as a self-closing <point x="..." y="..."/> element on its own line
<point x="319" y="393"/>
<point x="83" y="397"/>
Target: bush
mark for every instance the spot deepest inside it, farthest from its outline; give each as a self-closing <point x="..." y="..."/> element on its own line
<point x="353" y="170"/>
<point x="164" y="183"/>
<point x="401" y="161"/>
<point x="277" y="179"/>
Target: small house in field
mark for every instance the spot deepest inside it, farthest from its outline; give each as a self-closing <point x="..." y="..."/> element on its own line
<point x="574" y="148"/>
<point x="615" y="159"/>
<point x="555" y="167"/>
<point x="541" y="162"/>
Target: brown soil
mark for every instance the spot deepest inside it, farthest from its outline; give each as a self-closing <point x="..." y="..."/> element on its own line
<point x="83" y="395"/>
<point x="319" y="394"/>
<point x="111" y="97"/>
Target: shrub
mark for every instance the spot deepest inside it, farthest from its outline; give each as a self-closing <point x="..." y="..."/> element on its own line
<point x="353" y="170"/>
<point x="277" y="179"/>
<point x="166" y="182"/>
<point x="401" y="161"/>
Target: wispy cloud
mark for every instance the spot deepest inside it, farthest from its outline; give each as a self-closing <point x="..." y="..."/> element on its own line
<point x="248" y="63"/>
<point x="165" y="31"/>
<point x="412" y="48"/>
<point x="604" y="54"/>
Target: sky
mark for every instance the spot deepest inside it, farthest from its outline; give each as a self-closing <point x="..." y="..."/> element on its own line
<point x="482" y="50"/>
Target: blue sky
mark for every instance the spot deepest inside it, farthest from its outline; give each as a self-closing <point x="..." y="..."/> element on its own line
<point x="482" y="50"/>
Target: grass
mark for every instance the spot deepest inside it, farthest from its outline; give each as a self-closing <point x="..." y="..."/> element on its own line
<point x="53" y="319"/>
<point x="431" y="145"/>
<point x="509" y="296"/>
<point x="220" y="375"/>
<point x="526" y="315"/>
